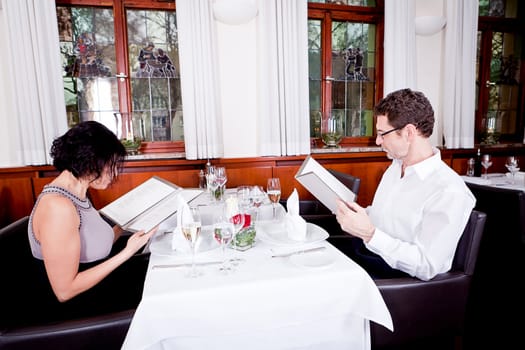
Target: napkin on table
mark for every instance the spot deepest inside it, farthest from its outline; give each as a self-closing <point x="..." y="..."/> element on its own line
<point x="294" y="223"/>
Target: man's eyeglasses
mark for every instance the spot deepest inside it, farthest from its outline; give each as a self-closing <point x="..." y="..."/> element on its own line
<point x="383" y="134"/>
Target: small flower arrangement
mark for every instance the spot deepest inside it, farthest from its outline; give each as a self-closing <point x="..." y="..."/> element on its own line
<point x="245" y="239"/>
<point x="132" y="145"/>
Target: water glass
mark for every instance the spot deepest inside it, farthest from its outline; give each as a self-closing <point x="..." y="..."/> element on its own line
<point x="273" y="189"/>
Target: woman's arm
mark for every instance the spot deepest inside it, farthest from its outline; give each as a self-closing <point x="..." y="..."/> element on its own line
<point x="55" y="224"/>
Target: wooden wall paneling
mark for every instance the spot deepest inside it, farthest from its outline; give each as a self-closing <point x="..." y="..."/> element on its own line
<point x="459" y="165"/>
<point x="39" y="183"/>
<point x="128" y="181"/>
<point x="16" y="198"/>
<point x="370" y="174"/>
<point x="286" y="175"/>
<point x="254" y="175"/>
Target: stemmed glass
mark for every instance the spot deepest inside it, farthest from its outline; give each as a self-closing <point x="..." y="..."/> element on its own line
<point x="486" y="162"/>
<point x="258" y="195"/>
<point x="223" y="231"/>
<point x="191" y="229"/>
<point x="512" y="166"/>
<point x="235" y="215"/>
<point x="273" y="189"/>
<point x="243" y="194"/>
<point x="222" y="178"/>
<point x="211" y="182"/>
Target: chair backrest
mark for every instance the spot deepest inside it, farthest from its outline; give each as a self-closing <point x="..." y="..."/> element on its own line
<point x="498" y="284"/>
<point x="467" y="251"/>
<point x="19" y="272"/>
<point x="436" y="309"/>
<point x="348" y="180"/>
<point x="21" y="294"/>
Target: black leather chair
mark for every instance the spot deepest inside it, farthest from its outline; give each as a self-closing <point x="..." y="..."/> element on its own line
<point x="19" y="300"/>
<point x="352" y="182"/>
<point x="431" y="314"/>
<point x="498" y="291"/>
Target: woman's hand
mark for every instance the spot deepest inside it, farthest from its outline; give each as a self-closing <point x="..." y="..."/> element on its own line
<point x="354" y="220"/>
<point x="138" y="240"/>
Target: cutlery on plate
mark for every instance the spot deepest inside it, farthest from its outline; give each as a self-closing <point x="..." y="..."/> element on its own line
<point x="285" y="255"/>
<point x="206" y="263"/>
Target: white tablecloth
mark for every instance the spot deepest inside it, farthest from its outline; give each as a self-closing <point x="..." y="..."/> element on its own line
<point x="499" y="180"/>
<point x="267" y="303"/>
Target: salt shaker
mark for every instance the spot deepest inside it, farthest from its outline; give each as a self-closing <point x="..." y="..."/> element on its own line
<point x="202" y="179"/>
<point x="471" y="165"/>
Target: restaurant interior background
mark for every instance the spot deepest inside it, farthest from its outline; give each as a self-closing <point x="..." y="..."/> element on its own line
<point x="237" y="64"/>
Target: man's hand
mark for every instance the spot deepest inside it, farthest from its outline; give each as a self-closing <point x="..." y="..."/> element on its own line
<point x="354" y="220"/>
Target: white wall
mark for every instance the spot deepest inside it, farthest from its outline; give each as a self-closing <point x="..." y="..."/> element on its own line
<point x="237" y="60"/>
<point x="429" y="63"/>
<point x="237" y="66"/>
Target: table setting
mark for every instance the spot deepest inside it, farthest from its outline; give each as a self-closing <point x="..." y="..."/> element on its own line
<point x="290" y="289"/>
<point x="513" y="179"/>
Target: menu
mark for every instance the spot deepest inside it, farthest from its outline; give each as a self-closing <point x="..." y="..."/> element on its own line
<point x="322" y="184"/>
<point x="147" y="205"/>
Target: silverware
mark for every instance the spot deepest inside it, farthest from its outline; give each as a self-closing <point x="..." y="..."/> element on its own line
<point x="206" y="263"/>
<point x="285" y="255"/>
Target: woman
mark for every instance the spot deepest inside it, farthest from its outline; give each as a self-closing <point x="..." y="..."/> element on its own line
<point x="70" y="237"/>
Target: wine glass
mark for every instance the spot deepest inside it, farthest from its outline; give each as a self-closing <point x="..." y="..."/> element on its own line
<point x="236" y="216"/>
<point x="273" y="189"/>
<point x="191" y="229"/>
<point x="486" y="162"/>
<point x="222" y="178"/>
<point x="244" y="196"/>
<point x="223" y="231"/>
<point x="258" y="195"/>
<point x="211" y="182"/>
<point x="512" y="166"/>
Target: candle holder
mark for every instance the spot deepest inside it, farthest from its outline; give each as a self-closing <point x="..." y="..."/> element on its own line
<point x="332" y="131"/>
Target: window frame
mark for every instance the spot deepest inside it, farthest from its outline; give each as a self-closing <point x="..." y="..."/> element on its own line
<point x="487" y="25"/>
<point x="326" y="13"/>
<point x="122" y="58"/>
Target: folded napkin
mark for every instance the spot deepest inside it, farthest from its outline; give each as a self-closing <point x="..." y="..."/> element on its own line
<point x="178" y="242"/>
<point x="295" y="224"/>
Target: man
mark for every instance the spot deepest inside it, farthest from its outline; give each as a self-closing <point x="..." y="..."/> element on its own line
<point x="421" y="205"/>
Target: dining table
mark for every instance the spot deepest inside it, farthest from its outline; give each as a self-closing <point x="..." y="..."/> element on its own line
<point x="283" y="294"/>
<point x="502" y="180"/>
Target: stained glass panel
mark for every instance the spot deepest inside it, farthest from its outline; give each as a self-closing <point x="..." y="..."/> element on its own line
<point x="353" y="65"/>
<point x="88" y="58"/>
<point x="155" y="83"/>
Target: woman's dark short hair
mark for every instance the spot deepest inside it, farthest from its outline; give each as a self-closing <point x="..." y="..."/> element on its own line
<point x="404" y="107"/>
<point x="87" y="149"/>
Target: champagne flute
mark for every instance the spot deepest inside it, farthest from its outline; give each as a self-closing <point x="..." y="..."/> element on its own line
<point x="191" y="229"/>
<point x="486" y="162"/>
<point x="512" y="166"/>
<point x="274" y="192"/>
<point x="223" y="231"/>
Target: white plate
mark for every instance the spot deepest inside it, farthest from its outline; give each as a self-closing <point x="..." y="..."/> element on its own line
<point x="318" y="259"/>
<point x="275" y="233"/>
<point x="161" y="244"/>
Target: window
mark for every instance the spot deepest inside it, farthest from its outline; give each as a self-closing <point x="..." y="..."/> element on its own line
<point x="499" y="79"/>
<point x="121" y="68"/>
<point x="346" y="73"/>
